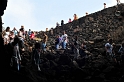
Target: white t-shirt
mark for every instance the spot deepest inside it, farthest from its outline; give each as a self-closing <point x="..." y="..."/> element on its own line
<point x="21" y="34"/>
<point x="109" y="47"/>
<point x="64" y="38"/>
<point x="7" y="35"/>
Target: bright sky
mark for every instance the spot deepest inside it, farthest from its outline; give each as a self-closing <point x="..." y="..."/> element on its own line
<point x="38" y="15"/>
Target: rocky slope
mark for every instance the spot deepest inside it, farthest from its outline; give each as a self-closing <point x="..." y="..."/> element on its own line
<point x="94" y="29"/>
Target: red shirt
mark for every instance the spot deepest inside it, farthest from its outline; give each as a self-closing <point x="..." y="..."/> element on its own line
<point x="32" y="36"/>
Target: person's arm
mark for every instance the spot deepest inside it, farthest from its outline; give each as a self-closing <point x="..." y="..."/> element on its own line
<point x="120" y="50"/>
<point x="15" y="29"/>
<point x="19" y="33"/>
<point x="106" y="47"/>
<point x="46" y="38"/>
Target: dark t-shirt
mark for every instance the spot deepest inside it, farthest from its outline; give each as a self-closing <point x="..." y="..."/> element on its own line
<point x="75" y="42"/>
<point x="57" y="41"/>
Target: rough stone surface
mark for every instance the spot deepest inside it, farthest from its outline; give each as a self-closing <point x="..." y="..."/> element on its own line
<point x="95" y="29"/>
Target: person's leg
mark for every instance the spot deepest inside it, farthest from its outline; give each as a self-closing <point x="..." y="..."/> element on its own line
<point x="72" y="48"/>
<point x="44" y="46"/>
<point x="75" y="54"/>
<point x="38" y="62"/>
<point x="57" y="46"/>
<point x="78" y="53"/>
<point x="18" y="52"/>
<point x="63" y="45"/>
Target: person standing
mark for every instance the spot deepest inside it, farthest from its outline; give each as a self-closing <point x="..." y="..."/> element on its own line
<point x="109" y="48"/>
<point x="57" y="24"/>
<point x="121" y="51"/>
<point x="44" y="41"/>
<point x="15" y="31"/>
<point x="57" y="42"/>
<point x="64" y="38"/>
<point x="22" y="38"/>
<point x="76" y="47"/>
<point x="75" y="17"/>
<point x="104" y="5"/>
<point x="32" y="35"/>
<point x="62" y="22"/>
<point x="86" y="13"/>
<point x="118" y="2"/>
<point x="5" y="66"/>
<point x="6" y="36"/>
<point x="29" y="32"/>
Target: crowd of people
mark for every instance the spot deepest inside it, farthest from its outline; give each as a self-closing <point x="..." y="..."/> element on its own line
<point x="75" y="17"/>
<point x="112" y="54"/>
<point x="61" y="42"/>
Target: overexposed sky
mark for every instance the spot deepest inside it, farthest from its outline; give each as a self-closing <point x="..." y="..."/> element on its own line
<point x="38" y="15"/>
